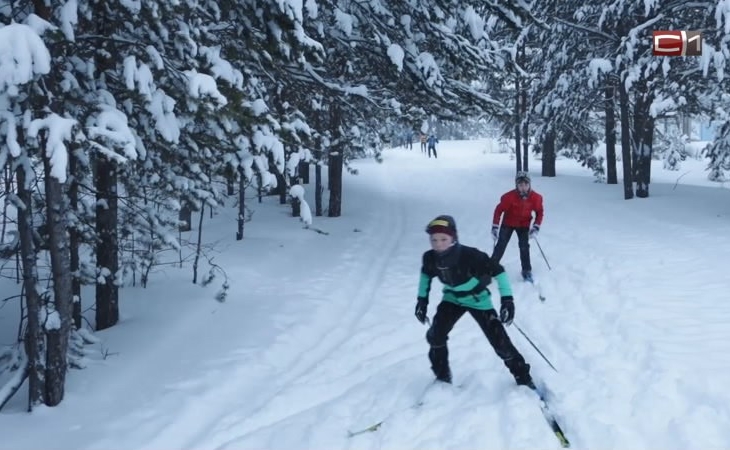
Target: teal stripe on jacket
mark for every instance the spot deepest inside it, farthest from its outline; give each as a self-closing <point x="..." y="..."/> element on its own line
<point x="481" y="301"/>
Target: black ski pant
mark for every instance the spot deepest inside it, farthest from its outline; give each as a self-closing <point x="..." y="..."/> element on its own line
<point x="432" y="148"/>
<point x="523" y="240"/>
<point x="423" y="147"/>
<point x="447" y="314"/>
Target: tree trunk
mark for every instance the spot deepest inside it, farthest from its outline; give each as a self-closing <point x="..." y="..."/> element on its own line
<point x="35" y="340"/>
<point x="518" y="119"/>
<point x="259" y="189"/>
<point x="107" y="292"/>
<point x="75" y="239"/>
<point x="549" y="155"/>
<point x="336" y="162"/>
<point x="626" y="142"/>
<point x="58" y="329"/>
<point x="319" y="189"/>
<point x="280" y="182"/>
<point x="609" y="106"/>
<point x="241" y="204"/>
<point x="185" y="216"/>
<point x="638" y="126"/>
<point x="199" y="245"/>
<point x="230" y="186"/>
<point x="643" y="172"/>
<point x="304" y="172"/>
<point x="296" y="204"/>
<point x="524" y="120"/>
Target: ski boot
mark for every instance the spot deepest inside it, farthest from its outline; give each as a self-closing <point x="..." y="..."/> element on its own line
<point x="527" y="276"/>
<point x="443" y="374"/>
<point x="526" y="381"/>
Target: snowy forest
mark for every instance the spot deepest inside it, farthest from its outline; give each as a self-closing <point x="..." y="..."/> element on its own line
<point x="123" y="122"/>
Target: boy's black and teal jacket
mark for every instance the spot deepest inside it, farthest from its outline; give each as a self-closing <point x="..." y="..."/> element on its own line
<point x="465" y="273"/>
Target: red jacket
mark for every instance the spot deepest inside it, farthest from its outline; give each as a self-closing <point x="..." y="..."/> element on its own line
<point x="518" y="211"/>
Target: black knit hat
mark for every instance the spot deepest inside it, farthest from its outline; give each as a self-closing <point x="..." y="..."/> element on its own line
<point x="521" y="177"/>
<point x="443" y="224"/>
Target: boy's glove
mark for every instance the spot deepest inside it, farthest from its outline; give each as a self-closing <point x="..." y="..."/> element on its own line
<point x="507" y="311"/>
<point x="495" y="232"/>
<point x="534" y="231"/>
<point x="421" y="309"/>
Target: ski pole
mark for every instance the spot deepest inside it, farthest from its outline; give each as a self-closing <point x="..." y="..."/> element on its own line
<point x="534" y="346"/>
<point x="542" y="253"/>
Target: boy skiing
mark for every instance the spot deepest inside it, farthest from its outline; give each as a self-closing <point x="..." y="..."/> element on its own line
<point x="517" y="206"/>
<point x="465" y="273"/>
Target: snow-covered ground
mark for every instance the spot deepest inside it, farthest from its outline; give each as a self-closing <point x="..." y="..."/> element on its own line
<point x="318" y="334"/>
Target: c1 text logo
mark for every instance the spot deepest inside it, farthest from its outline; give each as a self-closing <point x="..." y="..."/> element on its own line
<point x="676" y="43"/>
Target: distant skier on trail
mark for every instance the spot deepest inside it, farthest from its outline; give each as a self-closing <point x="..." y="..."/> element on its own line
<point x="432" y="141"/>
<point x="465" y="273"/>
<point x="517" y="207"/>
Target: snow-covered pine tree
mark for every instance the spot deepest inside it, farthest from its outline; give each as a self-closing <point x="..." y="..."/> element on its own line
<point x="33" y="131"/>
<point x="399" y="59"/>
<point x="655" y="86"/>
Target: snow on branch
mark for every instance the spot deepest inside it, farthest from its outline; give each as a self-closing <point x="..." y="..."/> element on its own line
<point x="23" y="56"/>
<point x="596" y="67"/>
<point x="200" y="84"/>
<point x="221" y="68"/>
<point x="112" y="126"/>
<point x="59" y="129"/>
<point x="297" y="192"/>
<point x="396" y="54"/>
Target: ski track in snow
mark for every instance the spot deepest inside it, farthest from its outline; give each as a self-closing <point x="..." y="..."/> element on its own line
<point x="379" y="373"/>
<point x="631" y="336"/>
<point x="227" y="406"/>
<point x="623" y="322"/>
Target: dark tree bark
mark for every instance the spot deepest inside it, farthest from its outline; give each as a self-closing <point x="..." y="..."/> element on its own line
<point x="525" y="121"/>
<point x="105" y="182"/>
<point x="281" y="186"/>
<point x="57" y="334"/>
<point x="107" y="292"/>
<point x="185" y="216"/>
<point x="638" y="125"/>
<point x="74" y="237"/>
<point x="304" y="171"/>
<point x="548" y="154"/>
<point x="518" y="119"/>
<point x="336" y="161"/>
<point x="626" y="142"/>
<point x="643" y="139"/>
<point x="609" y="106"/>
<point x="259" y="188"/>
<point x="319" y="189"/>
<point x="242" y="204"/>
<point x="35" y="339"/>
<point x="644" y="151"/>
<point x="230" y="185"/>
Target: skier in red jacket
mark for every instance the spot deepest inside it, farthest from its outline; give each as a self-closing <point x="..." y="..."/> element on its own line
<point x="517" y="206"/>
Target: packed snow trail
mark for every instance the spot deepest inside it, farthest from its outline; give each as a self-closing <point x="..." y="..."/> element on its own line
<point x="645" y="308"/>
<point x="366" y="355"/>
<point x="318" y="336"/>
<point x="383" y="365"/>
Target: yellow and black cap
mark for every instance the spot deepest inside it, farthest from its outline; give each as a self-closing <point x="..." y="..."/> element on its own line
<point x="442" y="224"/>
